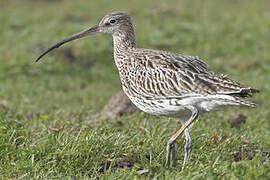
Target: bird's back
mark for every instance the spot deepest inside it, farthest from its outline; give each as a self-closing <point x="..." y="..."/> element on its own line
<point x="160" y="75"/>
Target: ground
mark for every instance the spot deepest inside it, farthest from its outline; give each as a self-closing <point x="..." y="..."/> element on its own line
<point x="48" y="124"/>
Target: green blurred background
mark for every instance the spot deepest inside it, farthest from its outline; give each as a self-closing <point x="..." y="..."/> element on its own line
<point x="48" y="127"/>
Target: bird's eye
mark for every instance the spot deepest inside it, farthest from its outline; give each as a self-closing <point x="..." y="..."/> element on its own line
<point x="112" y="21"/>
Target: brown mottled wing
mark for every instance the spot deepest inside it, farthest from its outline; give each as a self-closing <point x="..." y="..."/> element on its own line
<point x="220" y="84"/>
<point x="160" y="74"/>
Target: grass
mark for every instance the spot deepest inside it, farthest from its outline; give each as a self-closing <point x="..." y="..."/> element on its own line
<point x="47" y="110"/>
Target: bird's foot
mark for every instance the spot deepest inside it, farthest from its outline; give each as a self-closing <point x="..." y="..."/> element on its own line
<point x="170" y="151"/>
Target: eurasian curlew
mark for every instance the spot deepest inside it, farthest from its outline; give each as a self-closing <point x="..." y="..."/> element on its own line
<point x="165" y="83"/>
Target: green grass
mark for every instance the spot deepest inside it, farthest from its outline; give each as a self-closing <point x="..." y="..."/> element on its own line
<point x="48" y="127"/>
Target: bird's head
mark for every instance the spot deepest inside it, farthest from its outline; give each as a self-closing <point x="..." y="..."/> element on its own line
<point x="116" y="24"/>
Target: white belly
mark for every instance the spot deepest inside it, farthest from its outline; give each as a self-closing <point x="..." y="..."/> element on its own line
<point x="176" y="107"/>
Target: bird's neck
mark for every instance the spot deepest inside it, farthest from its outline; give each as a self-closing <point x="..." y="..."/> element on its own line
<point x="124" y="44"/>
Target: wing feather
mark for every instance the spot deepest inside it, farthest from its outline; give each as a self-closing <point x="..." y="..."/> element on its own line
<point x="164" y="74"/>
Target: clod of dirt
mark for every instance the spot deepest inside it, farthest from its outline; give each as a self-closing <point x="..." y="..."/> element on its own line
<point x="118" y="163"/>
<point x="69" y="55"/>
<point x="72" y="58"/>
<point x="119" y="105"/>
<point x="235" y="122"/>
<point x="244" y="155"/>
<point x="119" y="123"/>
<point x="248" y="152"/>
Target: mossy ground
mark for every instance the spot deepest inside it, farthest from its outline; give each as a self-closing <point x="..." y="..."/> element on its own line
<point x="48" y="127"/>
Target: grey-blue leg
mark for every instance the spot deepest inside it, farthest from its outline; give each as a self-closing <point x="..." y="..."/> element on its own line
<point x="171" y="142"/>
<point x="173" y="154"/>
<point x="188" y="147"/>
<point x="170" y="150"/>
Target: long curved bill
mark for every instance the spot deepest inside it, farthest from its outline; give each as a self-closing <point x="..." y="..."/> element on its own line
<point x="79" y="35"/>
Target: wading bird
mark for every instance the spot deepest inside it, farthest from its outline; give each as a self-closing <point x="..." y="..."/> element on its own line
<point x="165" y="83"/>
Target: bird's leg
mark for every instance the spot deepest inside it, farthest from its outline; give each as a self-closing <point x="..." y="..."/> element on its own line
<point x="170" y="149"/>
<point x="173" y="154"/>
<point x="188" y="147"/>
<point x="171" y="142"/>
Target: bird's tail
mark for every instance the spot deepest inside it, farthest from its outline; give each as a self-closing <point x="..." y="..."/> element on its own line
<point x="242" y="100"/>
<point x="245" y="93"/>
